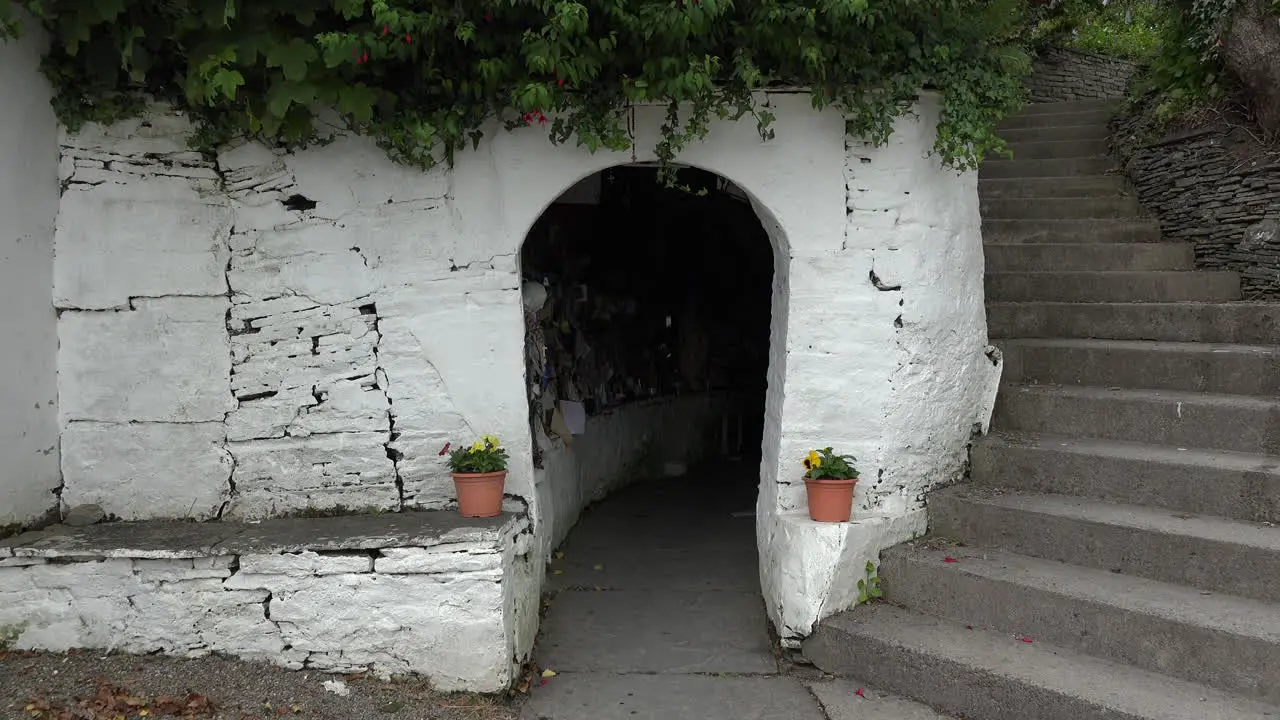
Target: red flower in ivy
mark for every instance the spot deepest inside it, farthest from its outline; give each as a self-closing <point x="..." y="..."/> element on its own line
<point x="408" y="39"/>
<point x="560" y="82"/>
<point x="488" y="17"/>
<point x="386" y="29"/>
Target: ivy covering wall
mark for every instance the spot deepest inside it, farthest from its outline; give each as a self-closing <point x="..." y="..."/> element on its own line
<point x="425" y="76"/>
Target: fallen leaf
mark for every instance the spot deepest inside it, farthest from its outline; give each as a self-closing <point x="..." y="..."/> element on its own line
<point x="1026" y="639"/>
<point x="859" y="693"/>
<point x="599" y="567"/>
<point x="557" y="572"/>
<point x="548" y="673"/>
<point x="559" y="555"/>
<point x="949" y="560"/>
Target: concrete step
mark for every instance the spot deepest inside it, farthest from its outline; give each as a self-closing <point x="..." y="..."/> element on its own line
<point x="1213" y="554"/>
<point x="995" y="676"/>
<point x="1059" y="149"/>
<point x="1097" y="118"/>
<point x="843" y="699"/>
<point x="1193" y="367"/>
<point x="1239" y="322"/>
<point x="1050" y="208"/>
<point x="1085" y="256"/>
<point x="1081" y="186"/>
<point x="1113" y="286"/>
<point x="1069" y="231"/>
<point x="1098" y="131"/>
<point x="1239" y="423"/>
<point x="1071" y="167"/>
<point x="1219" y="640"/>
<point x="1069" y="106"/>
<point x="1233" y="485"/>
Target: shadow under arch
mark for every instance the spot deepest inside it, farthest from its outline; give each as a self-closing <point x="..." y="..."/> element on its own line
<point x="561" y="508"/>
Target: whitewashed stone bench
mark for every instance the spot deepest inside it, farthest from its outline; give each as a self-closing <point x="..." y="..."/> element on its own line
<point x="425" y="593"/>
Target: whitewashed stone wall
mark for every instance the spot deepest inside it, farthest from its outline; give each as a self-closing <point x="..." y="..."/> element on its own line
<point x="270" y="333"/>
<point x="886" y="358"/>
<point x="28" y="205"/>
<point x="454" y="607"/>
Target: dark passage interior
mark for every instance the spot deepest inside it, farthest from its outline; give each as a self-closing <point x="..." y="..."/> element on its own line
<point x="638" y="295"/>
<point x="651" y="293"/>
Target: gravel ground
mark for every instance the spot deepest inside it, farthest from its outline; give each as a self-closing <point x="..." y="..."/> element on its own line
<point x="90" y="686"/>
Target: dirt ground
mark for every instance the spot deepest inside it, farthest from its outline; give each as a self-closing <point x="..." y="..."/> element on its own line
<point x="85" y="685"/>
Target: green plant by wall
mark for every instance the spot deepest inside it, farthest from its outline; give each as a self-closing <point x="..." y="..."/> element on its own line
<point x="869" y="587"/>
<point x="424" y="76"/>
<point x="1193" y="57"/>
<point x="1184" y="74"/>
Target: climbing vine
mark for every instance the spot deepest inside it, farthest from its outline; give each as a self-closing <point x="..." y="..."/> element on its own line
<point x="427" y="77"/>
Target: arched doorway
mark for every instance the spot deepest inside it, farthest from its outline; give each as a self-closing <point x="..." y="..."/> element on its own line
<point x="648" y="321"/>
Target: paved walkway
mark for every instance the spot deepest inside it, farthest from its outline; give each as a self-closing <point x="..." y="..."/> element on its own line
<point x="658" y="615"/>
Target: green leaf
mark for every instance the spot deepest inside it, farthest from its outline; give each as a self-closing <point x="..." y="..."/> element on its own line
<point x="283" y="95"/>
<point x="225" y="83"/>
<point x="350" y="9"/>
<point x="357" y="101"/>
<point x="292" y="58"/>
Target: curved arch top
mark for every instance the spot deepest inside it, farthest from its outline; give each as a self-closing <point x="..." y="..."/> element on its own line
<point x="796" y="181"/>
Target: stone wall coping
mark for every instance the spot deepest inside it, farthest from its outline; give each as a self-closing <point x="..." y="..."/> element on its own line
<point x="170" y="539"/>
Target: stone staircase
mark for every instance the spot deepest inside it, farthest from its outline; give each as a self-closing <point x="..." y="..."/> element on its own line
<point x="1116" y="554"/>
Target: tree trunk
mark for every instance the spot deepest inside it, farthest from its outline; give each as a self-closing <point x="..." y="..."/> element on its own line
<point x="1251" y="51"/>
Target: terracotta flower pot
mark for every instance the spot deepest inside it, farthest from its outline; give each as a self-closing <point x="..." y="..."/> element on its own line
<point x="480" y="494"/>
<point x="830" y="500"/>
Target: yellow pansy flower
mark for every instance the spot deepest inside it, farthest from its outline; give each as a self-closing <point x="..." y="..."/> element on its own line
<point x="477" y="446"/>
<point x="813" y="461"/>
<point x="490" y="440"/>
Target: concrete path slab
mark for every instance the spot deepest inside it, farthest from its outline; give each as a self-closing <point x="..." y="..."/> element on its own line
<point x="657" y="631"/>
<point x="647" y="569"/>
<point x="656" y="611"/>
<point x="604" y="696"/>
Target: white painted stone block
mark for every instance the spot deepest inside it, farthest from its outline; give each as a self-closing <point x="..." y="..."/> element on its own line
<point x="146" y="470"/>
<point x="274" y="477"/>
<point x="450" y="631"/>
<point x="166" y="361"/>
<point x="151" y="237"/>
<point x="353" y="172"/>
<point x="305" y="564"/>
<point x="456" y="558"/>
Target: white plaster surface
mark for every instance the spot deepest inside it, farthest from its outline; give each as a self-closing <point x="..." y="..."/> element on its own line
<point x="145" y="470"/>
<point x="369" y="330"/>
<point x="168" y="360"/>
<point x="455" y="612"/>
<point x="28" y="206"/>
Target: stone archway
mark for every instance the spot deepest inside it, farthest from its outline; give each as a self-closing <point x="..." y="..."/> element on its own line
<point x="878" y="330"/>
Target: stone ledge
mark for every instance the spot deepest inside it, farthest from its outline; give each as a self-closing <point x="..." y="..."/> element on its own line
<point x="426" y="593"/>
<point x="174" y="539"/>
